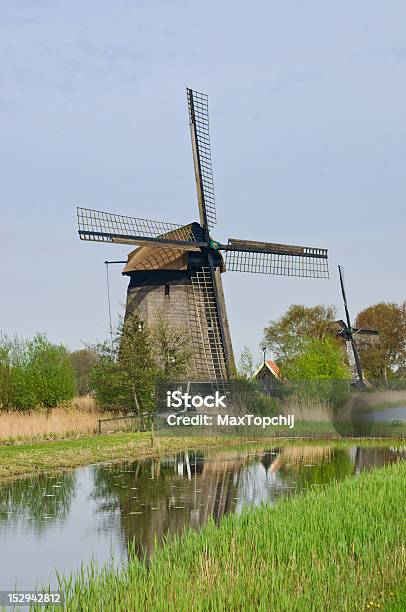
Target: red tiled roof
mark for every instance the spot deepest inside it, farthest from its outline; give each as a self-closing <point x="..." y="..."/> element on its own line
<point x="273" y="367"/>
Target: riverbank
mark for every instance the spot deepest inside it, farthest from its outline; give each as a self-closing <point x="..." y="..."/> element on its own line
<point x="32" y="459"/>
<point x="336" y="548"/>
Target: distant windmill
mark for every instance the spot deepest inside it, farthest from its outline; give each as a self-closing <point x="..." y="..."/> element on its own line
<point x="349" y="333"/>
<point x="176" y="269"/>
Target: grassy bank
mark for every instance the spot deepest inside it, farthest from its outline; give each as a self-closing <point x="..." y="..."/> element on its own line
<point x="33" y="458"/>
<point x="339" y="548"/>
<point x="26" y="459"/>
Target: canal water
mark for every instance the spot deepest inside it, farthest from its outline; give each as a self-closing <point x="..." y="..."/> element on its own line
<point x="388" y="415"/>
<point x="52" y="523"/>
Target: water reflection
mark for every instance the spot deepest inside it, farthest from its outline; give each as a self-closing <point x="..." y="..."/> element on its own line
<point x="38" y="500"/>
<point x="57" y="522"/>
<point x="156" y="498"/>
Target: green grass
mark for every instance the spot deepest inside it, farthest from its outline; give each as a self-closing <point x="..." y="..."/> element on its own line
<point x="27" y="459"/>
<point x="338" y="548"/>
<point x="397" y="601"/>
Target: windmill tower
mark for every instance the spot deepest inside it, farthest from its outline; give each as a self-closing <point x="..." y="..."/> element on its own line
<point x="176" y="269"/>
<point x="349" y="333"/>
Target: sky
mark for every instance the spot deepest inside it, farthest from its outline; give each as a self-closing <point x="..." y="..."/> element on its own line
<point x="307" y="117"/>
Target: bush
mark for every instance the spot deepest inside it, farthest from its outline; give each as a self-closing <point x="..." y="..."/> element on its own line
<point x="34" y="373"/>
<point x="318" y="372"/>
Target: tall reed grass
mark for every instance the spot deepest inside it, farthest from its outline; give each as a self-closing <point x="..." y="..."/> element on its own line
<point x="79" y="416"/>
<point x="338" y="548"/>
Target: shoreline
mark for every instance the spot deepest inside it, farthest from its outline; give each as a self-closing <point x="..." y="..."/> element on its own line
<point x="31" y="459"/>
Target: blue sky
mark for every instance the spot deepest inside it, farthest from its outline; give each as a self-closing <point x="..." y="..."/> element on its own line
<point x="307" y="109"/>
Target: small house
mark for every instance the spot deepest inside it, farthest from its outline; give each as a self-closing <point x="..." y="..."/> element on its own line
<point x="269" y="377"/>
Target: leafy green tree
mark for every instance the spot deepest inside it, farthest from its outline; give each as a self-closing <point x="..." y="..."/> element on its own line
<point x="319" y="371"/>
<point x="34" y="373"/>
<point x="287" y="336"/>
<point x="124" y="375"/>
<point x="319" y="360"/>
<point x="387" y="352"/>
<point x="83" y="361"/>
<point x="46" y="376"/>
<point x="129" y="367"/>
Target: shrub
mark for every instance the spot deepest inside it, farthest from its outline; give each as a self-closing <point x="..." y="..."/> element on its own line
<point x="34" y="373"/>
<point x="318" y="372"/>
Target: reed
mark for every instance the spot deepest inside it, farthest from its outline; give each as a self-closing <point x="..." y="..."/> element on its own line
<point x="337" y="548"/>
<point x="78" y="416"/>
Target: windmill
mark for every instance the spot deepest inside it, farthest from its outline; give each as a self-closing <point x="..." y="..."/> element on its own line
<point x="176" y="269"/>
<point x="348" y="333"/>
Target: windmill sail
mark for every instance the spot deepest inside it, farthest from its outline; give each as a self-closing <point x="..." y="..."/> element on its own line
<point x="273" y="258"/>
<point x="359" y="331"/>
<point x="208" y="342"/>
<point x="199" y="130"/>
<point x="348" y="332"/>
<point x="102" y="226"/>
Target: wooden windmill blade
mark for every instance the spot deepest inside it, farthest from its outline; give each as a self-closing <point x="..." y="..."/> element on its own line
<point x="347" y="314"/>
<point x="99" y="226"/>
<point x="209" y="333"/>
<point x="215" y="271"/>
<point x="365" y="332"/>
<point x="209" y="306"/>
<point x="199" y="131"/>
<point x="350" y="332"/>
<point x="273" y="258"/>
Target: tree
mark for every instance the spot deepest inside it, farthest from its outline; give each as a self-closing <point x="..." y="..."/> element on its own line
<point x="246" y="363"/>
<point x="34" y="373"/>
<point x="318" y="372"/>
<point x="124" y="375"/>
<point x="387" y="352"/>
<point x="83" y="361"/>
<point x="170" y="348"/>
<point x="287" y="335"/>
<point x="319" y="360"/>
<point x="47" y="378"/>
<point x="129" y="367"/>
